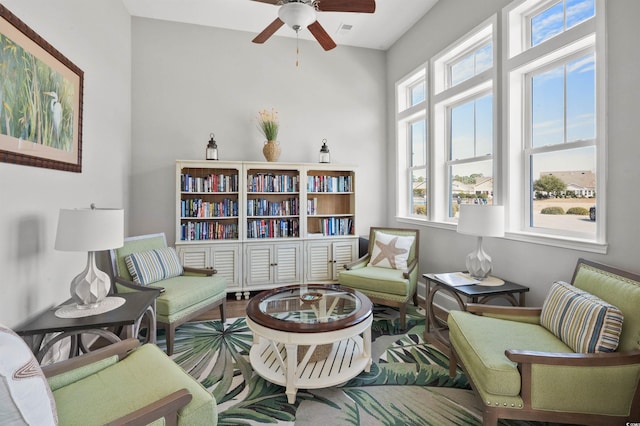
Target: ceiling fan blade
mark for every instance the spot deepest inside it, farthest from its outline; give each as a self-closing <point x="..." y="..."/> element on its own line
<point x="359" y="6"/>
<point x="269" y="31"/>
<point x="269" y="1"/>
<point x="321" y="35"/>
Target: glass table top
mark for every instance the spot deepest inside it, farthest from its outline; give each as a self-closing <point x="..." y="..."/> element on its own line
<point x="307" y="306"/>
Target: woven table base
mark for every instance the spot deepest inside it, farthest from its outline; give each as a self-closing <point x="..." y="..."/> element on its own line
<point x="321" y="352"/>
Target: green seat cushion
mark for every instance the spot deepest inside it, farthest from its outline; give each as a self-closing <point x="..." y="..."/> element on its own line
<point x="372" y="278"/>
<point x="185" y="291"/>
<point x="145" y="376"/>
<point x="480" y="342"/>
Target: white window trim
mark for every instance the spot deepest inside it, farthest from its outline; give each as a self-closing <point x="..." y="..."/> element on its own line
<point x="506" y="56"/>
<point x="517" y="63"/>
<point x="404" y="116"/>
<point x="444" y="98"/>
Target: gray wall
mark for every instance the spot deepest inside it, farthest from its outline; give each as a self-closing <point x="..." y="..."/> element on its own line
<point x="189" y="81"/>
<point x="531" y="264"/>
<point x="96" y="36"/>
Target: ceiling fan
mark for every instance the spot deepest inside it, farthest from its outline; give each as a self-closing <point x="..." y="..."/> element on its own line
<point x="302" y="13"/>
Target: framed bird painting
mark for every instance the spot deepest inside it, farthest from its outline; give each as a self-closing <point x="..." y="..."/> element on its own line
<point x="40" y="100"/>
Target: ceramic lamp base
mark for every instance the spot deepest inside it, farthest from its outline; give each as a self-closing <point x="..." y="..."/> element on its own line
<point x="478" y="262"/>
<point x="91" y="286"/>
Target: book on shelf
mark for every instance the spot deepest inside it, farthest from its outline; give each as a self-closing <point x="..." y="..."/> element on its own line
<point x="263" y="207"/>
<point x="197" y="207"/>
<point x="268" y="182"/>
<point x="209" y="183"/>
<point x="273" y="228"/>
<point x="456" y="279"/>
<point x="199" y="231"/>
<point x="329" y="184"/>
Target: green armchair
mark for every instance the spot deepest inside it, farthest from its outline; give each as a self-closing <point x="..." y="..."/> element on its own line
<point x="388" y="273"/>
<point x="574" y="360"/>
<point x="122" y="383"/>
<point x="184" y="295"/>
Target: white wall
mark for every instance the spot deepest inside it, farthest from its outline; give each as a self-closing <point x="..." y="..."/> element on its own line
<point x="189" y="81"/>
<point x="96" y="36"/>
<point x="535" y="265"/>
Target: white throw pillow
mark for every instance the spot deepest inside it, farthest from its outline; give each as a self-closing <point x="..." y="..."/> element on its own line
<point x="25" y="396"/>
<point x="390" y="251"/>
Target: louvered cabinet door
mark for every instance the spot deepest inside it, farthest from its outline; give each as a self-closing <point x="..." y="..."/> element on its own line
<point x="194" y="256"/>
<point x="257" y="264"/>
<point x="287" y="263"/>
<point x="325" y="259"/>
<point x="225" y="258"/>
<point x="344" y="252"/>
<point x="318" y="264"/>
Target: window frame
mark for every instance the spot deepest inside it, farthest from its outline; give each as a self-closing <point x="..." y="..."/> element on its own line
<point x="511" y="51"/>
<point x="448" y="97"/>
<point x="406" y="115"/>
<point x="520" y="63"/>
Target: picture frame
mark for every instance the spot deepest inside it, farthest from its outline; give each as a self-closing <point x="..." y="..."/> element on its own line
<point x="40" y="100"/>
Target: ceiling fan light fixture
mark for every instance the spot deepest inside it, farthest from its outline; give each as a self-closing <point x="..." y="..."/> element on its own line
<point x="297" y="15"/>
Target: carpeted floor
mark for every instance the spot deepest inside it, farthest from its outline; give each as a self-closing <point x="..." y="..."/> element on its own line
<point x="408" y="384"/>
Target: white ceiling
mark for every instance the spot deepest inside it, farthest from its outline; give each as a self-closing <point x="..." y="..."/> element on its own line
<point x="379" y="30"/>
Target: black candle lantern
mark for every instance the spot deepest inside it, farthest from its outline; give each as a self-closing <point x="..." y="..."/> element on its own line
<point x="325" y="156"/>
<point x="212" y="148"/>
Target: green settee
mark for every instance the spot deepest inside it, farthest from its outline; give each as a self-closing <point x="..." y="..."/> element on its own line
<point x="521" y="370"/>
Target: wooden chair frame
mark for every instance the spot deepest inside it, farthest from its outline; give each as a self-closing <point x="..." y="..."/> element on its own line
<point x="526" y="359"/>
<point x="169" y="328"/>
<point x="402" y="306"/>
<point x="166" y="407"/>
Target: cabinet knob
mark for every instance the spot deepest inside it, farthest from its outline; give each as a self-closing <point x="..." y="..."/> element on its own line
<point x="274" y="264"/>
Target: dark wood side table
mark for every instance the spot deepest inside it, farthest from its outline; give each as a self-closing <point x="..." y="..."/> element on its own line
<point x="436" y="330"/>
<point x="129" y="316"/>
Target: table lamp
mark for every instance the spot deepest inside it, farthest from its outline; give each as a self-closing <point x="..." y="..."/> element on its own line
<point x="90" y="230"/>
<point x="481" y="221"/>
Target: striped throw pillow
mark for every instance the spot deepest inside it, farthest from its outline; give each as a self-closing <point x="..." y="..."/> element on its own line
<point x="584" y="322"/>
<point x="148" y="267"/>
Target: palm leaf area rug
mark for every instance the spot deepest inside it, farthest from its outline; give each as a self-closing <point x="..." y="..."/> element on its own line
<point x="408" y="384"/>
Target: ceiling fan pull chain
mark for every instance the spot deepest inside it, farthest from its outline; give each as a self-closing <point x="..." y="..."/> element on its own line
<point x="297" y="49"/>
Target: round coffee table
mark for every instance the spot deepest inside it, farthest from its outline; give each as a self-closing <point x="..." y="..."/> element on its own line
<point x="330" y="324"/>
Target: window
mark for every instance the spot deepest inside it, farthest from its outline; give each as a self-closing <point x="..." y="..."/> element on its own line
<point x="554" y="127"/>
<point x="557" y="18"/>
<point x="514" y="118"/>
<point x="411" y="115"/>
<point x="464" y="121"/>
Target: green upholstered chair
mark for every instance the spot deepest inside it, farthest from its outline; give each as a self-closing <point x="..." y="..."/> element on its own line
<point x="521" y="369"/>
<point x="124" y="383"/>
<point x="387" y="283"/>
<point x="118" y="384"/>
<point x="182" y="297"/>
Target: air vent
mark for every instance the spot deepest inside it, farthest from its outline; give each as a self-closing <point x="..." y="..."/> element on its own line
<point x="344" y="29"/>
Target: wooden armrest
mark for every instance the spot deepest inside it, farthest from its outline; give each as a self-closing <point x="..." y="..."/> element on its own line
<point x="358" y="263"/>
<point x="479" y="309"/>
<point x="205" y="271"/>
<point x="574" y="359"/>
<point x="166" y="407"/>
<point x="121" y="349"/>
<point x="132" y="285"/>
<point x="407" y="272"/>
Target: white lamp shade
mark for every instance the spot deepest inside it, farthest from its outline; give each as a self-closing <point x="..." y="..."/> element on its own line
<point x="90" y="229"/>
<point x="481" y="220"/>
<point x="297" y="15"/>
